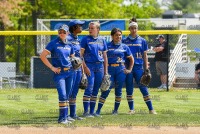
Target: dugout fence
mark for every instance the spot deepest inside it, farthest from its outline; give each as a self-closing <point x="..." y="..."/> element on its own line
<point x="20" y="48"/>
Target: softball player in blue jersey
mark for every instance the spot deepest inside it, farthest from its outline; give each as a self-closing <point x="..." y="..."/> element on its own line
<point x="75" y="27"/>
<point x="117" y="53"/>
<point x="93" y="50"/>
<point x="60" y="52"/>
<point x="138" y="47"/>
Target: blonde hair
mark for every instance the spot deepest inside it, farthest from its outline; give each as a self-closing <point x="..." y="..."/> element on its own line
<point x="96" y="23"/>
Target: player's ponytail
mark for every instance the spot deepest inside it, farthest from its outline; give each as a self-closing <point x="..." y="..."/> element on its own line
<point x="133" y="20"/>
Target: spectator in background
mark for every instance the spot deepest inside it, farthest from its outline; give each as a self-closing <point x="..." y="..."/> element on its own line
<point x="161" y="50"/>
<point x="197" y="75"/>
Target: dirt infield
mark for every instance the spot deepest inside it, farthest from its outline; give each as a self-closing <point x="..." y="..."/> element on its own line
<point x="100" y="130"/>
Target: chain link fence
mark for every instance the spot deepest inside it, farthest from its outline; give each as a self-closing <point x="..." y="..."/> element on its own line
<point x="21" y="50"/>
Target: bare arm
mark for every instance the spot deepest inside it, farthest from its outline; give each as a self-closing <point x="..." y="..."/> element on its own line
<point x="81" y="54"/>
<point x="84" y="66"/>
<point x="129" y="69"/>
<point x="105" y="62"/>
<point x="131" y="59"/>
<point x="158" y="49"/>
<point x="44" y="59"/>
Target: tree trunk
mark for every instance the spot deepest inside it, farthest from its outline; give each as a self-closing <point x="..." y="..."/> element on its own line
<point x="34" y="23"/>
<point x="2" y="44"/>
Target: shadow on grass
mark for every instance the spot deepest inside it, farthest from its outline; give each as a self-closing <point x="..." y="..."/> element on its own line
<point x="31" y="121"/>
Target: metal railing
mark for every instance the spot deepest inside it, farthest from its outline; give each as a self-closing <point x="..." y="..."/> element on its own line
<point x="178" y="55"/>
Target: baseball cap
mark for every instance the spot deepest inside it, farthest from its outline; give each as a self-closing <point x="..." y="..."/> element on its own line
<point x="133" y="24"/>
<point x="160" y="36"/>
<point x="75" y="22"/>
<point x="64" y="27"/>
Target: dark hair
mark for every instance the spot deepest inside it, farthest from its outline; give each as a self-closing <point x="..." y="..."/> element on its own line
<point x="73" y="28"/>
<point x="133" y="20"/>
<point x="115" y="30"/>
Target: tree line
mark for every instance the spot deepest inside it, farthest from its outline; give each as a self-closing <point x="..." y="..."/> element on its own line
<point x="23" y="14"/>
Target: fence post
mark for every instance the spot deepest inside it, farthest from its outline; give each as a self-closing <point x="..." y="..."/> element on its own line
<point x="13" y="84"/>
<point x="1" y="83"/>
<point x="168" y="58"/>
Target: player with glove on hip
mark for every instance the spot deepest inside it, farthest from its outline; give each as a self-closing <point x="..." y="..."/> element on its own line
<point x="138" y="47"/>
<point x="117" y="53"/>
<point x="75" y="27"/>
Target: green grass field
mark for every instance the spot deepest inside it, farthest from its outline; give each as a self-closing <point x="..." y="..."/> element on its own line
<point x="26" y="107"/>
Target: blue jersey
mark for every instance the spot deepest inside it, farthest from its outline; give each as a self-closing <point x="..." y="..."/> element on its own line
<point x="117" y="53"/>
<point x="75" y="43"/>
<point x="137" y="46"/>
<point x="94" y="48"/>
<point x="60" y="53"/>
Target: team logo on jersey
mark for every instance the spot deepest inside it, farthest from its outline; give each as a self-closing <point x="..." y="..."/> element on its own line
<point x="75" y="42"/>
<point x="96" y="43"/>
<point x="119" y="60"/>
<point x="91" y="42"/>
<point x="139" y="45"/>
<point x="59" y="47"/>
<point x="111" y="49"/>
<point x="66" y="48"/>
<point x="120" y="50"/>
